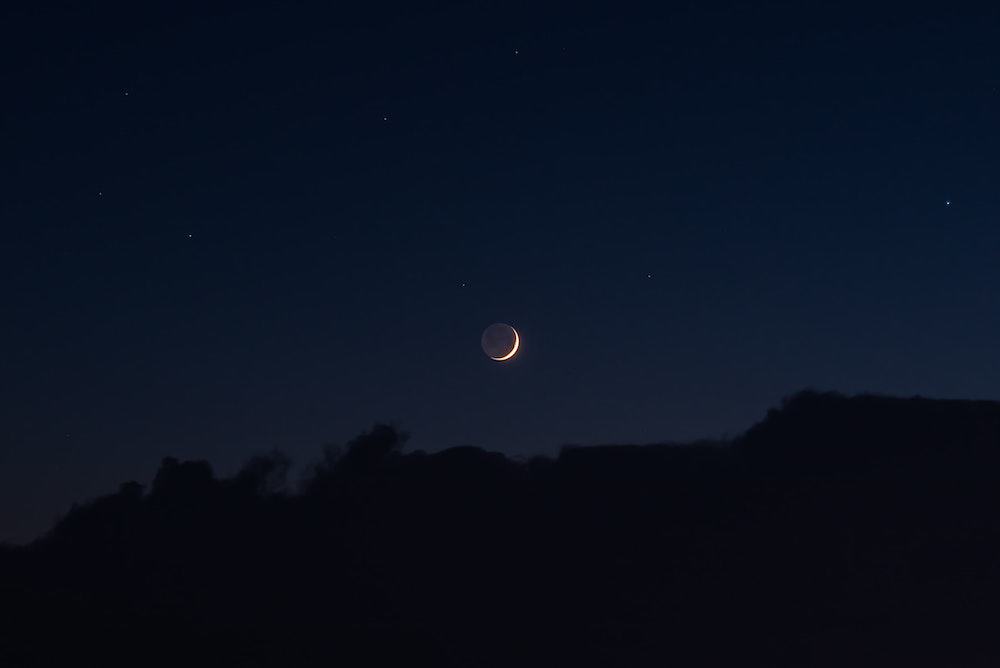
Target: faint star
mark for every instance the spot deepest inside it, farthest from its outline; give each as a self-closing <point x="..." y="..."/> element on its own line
<point x="649" y="275"/>
<point x="190" y="236"/>
<point x="516" y="52"/>
<point x="947" y="202"/>
<point x="385" y="118"/>
<point x="100" y="194"/>
<point x="125" y="92"/>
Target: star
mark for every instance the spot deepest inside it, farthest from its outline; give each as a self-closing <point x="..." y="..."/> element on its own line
<point x="947" y="202"/>
<point x="100" y="195"/>
<point x="516" y="52"/>
<point x="190" y="236"/>
<point x="125" y="92"/>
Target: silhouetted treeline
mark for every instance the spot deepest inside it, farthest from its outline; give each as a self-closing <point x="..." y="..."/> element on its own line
<point x="838" y="531"/>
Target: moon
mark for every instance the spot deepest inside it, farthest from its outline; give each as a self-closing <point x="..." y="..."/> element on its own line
<point x="500" y="342"/>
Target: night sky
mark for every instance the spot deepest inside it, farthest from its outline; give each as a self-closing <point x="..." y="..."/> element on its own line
<point x="238" y="228"/>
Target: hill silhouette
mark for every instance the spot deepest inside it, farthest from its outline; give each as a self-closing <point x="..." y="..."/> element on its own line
<point x="837" y="531"/>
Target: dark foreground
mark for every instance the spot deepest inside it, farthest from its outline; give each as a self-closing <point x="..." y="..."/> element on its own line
<point x="837" y="532"/>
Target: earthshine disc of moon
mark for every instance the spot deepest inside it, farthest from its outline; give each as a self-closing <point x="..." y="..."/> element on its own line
<point x="500" y="342"/>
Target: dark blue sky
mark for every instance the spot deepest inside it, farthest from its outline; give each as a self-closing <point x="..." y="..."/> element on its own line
<point x="245" y="227"/>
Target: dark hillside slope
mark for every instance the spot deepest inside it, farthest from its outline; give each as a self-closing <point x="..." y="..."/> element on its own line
<point x="831" y="433"/>
<point x="838" y="531"/>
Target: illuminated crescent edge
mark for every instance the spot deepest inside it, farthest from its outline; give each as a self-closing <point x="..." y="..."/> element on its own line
<point x="517" y="342"/>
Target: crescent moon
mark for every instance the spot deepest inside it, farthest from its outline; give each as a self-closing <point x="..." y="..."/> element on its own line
<point x="513" y="351"/>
